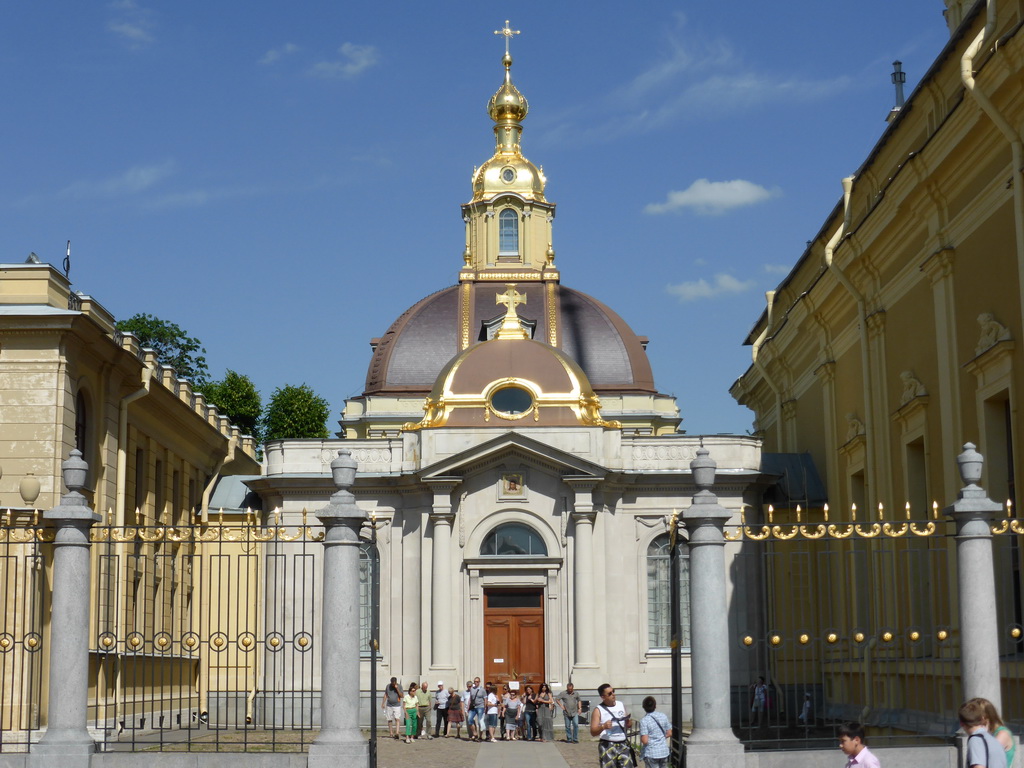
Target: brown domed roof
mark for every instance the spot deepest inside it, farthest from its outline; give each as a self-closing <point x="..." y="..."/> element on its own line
<point x="542" y="386"/>
<point x="418" y="345"/>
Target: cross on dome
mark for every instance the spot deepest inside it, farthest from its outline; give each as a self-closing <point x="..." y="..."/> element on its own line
<point x="510" y="326"/>
<point x="511" y="298"/>
<point x="507" y="32"/>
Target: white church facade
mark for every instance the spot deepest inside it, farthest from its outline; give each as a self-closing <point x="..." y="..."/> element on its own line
<point x="519" y="466"/>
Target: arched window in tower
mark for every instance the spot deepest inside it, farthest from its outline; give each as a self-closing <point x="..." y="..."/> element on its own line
<point x="508" y="233"/>
<point x="367" y="593"/>
<point x="659" y="625"/>
<point x="513" y="540"/>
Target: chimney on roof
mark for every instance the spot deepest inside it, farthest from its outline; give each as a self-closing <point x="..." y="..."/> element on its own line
<point x="899" y="77"/>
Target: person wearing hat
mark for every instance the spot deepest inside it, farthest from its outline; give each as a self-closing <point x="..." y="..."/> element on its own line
<point x="441" y="710"/>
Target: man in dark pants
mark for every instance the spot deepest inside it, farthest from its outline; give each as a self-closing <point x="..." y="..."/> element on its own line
<point x="440" y="710"/>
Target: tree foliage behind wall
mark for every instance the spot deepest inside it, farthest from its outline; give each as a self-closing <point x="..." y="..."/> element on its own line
<point x="237" y="398"/>
<point x="295" y="412"/>
<point x="172" y="344"/>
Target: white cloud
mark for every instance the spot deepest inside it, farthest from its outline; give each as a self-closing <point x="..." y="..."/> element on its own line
<point x="720" y="284"/>
<point x="777" y="269"/>
<point x="274" y="54"/>
<point x="697" y="77"/>
<point x="713" y="197"/>
<point x="196" y="198"/>
<point x="136" y="179"/>
<point x="132" y="23"/>
<point x="355" y="59"/>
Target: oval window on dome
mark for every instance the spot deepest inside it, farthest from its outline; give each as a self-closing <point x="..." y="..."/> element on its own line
<point x="508" y="175"/>
<point x="511" y="401"/>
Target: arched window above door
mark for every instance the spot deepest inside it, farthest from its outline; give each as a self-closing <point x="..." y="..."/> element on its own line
<point x="513" y="540"/>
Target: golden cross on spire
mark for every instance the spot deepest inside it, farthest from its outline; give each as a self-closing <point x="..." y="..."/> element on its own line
<point x="507" y="32"/>
<point x="510" y="327"/>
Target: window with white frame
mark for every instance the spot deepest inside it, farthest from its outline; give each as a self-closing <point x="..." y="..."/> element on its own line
<point x="508" y="233"/>
<point x="659" y="613"/>
<point x="367" y="554"/>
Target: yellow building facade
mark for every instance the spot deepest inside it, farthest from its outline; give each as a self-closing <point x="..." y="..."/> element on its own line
<point x="894" y="340"/>
<point x="155" y="450"/>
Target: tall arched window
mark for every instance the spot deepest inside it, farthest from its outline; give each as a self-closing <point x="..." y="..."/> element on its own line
<point x="367" y="593"/>
<point x="659" y="627"/>
<point x="508" y="233"/>
<point x="514" y="539"/>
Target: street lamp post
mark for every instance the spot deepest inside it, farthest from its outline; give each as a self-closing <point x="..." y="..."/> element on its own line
<point x="675" y="628"/>
<point x="374" y="636"/>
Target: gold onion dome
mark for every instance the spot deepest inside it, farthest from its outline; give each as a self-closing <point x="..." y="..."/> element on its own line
<point x="507" y="171"/>
<point x="507" y="103"/>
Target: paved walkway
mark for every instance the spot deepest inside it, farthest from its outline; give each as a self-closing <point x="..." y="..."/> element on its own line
<point x="516" y="754"/>
<point x="461" y="753"/>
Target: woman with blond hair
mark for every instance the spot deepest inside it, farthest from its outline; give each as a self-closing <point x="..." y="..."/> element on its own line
<point x="998" y="729"/>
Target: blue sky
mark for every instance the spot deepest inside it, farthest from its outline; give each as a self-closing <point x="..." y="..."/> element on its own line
<point x="284" y="179"/>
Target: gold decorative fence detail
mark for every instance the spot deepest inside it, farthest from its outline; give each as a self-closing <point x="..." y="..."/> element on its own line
<point x="804" y="528"/>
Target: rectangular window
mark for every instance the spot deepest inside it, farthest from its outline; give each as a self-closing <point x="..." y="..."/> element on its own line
<point x="659" y="600"/>
<point x="159" y="503"/>
<point x="999" y="482"/>
<point x="508" y="233"/>
<point x="141" y="489"/>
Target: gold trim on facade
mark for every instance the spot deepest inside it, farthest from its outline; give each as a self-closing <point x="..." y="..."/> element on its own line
<point x="552" y="316"/>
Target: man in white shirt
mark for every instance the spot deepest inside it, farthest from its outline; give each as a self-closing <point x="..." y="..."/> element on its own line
<point x="609" y="721"/>
<point x="440" y="710"/>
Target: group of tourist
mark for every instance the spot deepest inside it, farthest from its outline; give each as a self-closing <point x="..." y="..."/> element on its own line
<point x="507" y="713"/>
<point x="489" y="713"/>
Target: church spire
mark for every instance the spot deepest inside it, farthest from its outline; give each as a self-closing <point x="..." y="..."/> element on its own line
<point x="508" y="220"/>
<point x="507" y="106"/>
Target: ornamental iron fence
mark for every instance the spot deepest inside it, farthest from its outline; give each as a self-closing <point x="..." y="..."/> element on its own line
<point x="859" y="620"/>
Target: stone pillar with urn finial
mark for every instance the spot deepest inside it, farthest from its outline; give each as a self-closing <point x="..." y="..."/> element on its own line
<point x="66" y="740"/>
<point x="973" y="513"/>
<point x="340" y="741"/>
<point x="712" y="742"/>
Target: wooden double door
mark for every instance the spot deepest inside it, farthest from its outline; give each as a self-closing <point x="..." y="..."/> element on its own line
<point x="514" y="635"/>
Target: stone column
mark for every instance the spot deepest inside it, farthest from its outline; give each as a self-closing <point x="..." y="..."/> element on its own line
<point x="973" y="513"/>
<point x="441" y="576"/>
<point x="66" y="739"/>
<point x="712" y="742"/>
<point x="340" y="741"/>
<point x="583" y="575"/>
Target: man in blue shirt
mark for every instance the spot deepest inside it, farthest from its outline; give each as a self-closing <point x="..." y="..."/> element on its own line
<point x="655" y="735"/>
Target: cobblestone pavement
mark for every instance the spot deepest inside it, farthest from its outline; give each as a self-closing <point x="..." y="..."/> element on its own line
<point x="460" y="753"/>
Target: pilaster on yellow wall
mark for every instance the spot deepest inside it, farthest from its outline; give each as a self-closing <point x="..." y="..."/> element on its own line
<point x="939" y="269"/>
<point x="827" y="374"/>
<point x="880" y="384"/>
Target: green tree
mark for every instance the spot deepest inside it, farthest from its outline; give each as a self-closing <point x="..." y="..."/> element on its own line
<point x="173" y="346"/>
<point x="295" y="412"/>
<point x="237" y="398"/>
